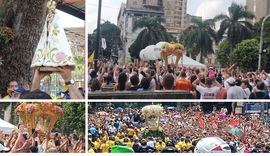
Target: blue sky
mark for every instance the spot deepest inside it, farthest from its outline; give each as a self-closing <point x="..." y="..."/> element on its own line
<point x="110" y="9"/>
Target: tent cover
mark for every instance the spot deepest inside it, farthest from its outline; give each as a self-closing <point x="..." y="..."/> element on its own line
<point x="188" y="62"/>
<point x="6" y="127"/>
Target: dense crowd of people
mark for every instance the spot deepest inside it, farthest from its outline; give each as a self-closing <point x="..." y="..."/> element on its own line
<point x="25" y="142"/>
<point x="34" y="92"/>
<point x="124" y="127"/>
<point x="113" y="75"/>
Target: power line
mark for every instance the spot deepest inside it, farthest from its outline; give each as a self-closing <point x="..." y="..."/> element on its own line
<point x="103" y="6"/>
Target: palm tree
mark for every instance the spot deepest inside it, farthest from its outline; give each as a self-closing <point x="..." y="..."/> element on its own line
<point x="238" y="28"/>
<point x="152" y="33"/>
<point x="202" y="34"/>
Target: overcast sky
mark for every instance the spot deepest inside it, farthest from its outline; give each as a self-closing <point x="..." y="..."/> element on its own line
<point x="110" y="9"/>
<point x="69" y="21"/>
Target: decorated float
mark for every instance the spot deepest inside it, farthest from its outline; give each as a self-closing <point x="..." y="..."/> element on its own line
<point x="152" y="115"/>
<point x="172" y="49"/>
<point x="39" y="116"/>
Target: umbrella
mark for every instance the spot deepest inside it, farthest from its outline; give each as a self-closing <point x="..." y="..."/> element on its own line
<point x="119" y="108"/>
<point x="257" y="115"/>
<point x="102" y="113"/>
<point x="177" y="117"/>
<point x="223" y="116"/>
<point x="164" y="120"/>
<point x="235" y="131"/>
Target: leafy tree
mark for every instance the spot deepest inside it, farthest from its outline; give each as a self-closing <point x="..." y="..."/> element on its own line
<point x="223" y="53"/>
<point x="202" y="34"/>
<point x="266" y="36"/>
<point x="110" y="32"/>
<point x="24" y="19"/>
<point x="152" y="33"/>
<point x="74" y="116"/>
<point x="236" y="24"/>
<point x="266" y="31"/>
<point x="246" y="55"/>
<point x="134" y="50"/>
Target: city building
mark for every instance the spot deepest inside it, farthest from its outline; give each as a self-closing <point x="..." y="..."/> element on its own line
<point x="260" y="8"/>
<point x="171" y="10"/>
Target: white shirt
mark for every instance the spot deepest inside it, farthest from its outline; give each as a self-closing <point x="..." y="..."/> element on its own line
<point x="236" y="92"/>
<point x="151" y="144"/>
<point x="226" y="85"/>
<point x="112" y="129"/>
<point x="247" y="92"/>
<point x="208" y="93"/>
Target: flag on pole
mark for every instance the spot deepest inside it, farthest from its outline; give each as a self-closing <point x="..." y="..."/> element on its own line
<point x="231" y="114"/>
<point x="222" y="111"/>
<point x="104" y="46"/>
<point x="233" y="122"/>
<point x="216" y="117"/>
<point x="91" y="58"/>
<point x="199" y="115"/>
<point x="201" y="122"/>
<point x="214" y="124"/>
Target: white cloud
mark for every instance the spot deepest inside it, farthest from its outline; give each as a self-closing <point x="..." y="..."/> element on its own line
<point x="209" y="8"/>
<point x="109" y="12"/>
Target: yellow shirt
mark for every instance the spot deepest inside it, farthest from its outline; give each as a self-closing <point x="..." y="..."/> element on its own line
<point x="91" y="151"/>
<point x="118" y="134"/>
<point x="96" y="144"/>
<point x="111" y="143"/>
<point x="131" y="132"/>
<point x="163" y="144"/>
<point x="6" y="98"/>
<point x="116" y="138"/>
<point x="105" y="138"/>
<point x="189" y="145"/>
<point x="167" y="139"/>
<point x="160" y="148"/>
<point x="105" y="148"/>
<point x="135" y="137"/>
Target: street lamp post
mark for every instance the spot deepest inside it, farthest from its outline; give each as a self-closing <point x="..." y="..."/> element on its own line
<point x="98" y="33"/>
<point x="261" y="44"/>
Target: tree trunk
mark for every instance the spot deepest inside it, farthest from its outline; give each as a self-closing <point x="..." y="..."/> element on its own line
<point x="26" y="19"/>
<point x="201" y="56"/>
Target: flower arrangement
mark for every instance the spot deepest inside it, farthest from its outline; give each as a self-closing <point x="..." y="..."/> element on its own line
<point x="174" y="48"/>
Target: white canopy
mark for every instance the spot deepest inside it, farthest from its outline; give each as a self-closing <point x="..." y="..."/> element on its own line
<point x="6" y="127"/>
<point x="188" y="62"/>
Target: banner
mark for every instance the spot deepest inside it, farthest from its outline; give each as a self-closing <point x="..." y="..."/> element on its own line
<point x="104" y="46"/>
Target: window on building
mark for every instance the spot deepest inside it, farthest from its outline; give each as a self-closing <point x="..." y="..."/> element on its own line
<point x="160" y="3"/>
<point x="168" y="12"/>
<point x="168" y="19"/>
<point x="169" y="6"/>
<point x="144" y="1"/>
<point x="134" y="3"/>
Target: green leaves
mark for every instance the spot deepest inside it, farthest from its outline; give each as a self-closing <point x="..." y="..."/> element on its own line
<point x="74" y="116"/>
<point x="246" y="55"/>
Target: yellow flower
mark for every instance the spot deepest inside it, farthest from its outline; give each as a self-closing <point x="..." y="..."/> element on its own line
<point x="45" y="52"/>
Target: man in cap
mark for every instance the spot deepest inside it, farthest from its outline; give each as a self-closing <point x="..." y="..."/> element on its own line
<point x="11" y="85"/>
<point x="206" y="90"/>
<point x="170" y="148"/>
<point x="234" y="92"/>
<point x="15" y="93"/>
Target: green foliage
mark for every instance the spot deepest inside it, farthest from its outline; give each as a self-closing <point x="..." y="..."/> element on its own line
<point x="223" y="53"/>
<point x="152" y="33"/>
<point x="165" y="45"/>
<point x="134" y="51"/>
<point x="266" y="31"/>
<point x="110" y="32"/>
<point x="201" y="33"/>
<point x="154" y="134"/>
<point x="74" y="116"/>
<point x="3" y="105"/>
<point x="179" y="46"/>
<point x="238" y="30"/>
<point x="16" y="117"/>
<point x="2" y="20"/>
<point x="246" y="55"/>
